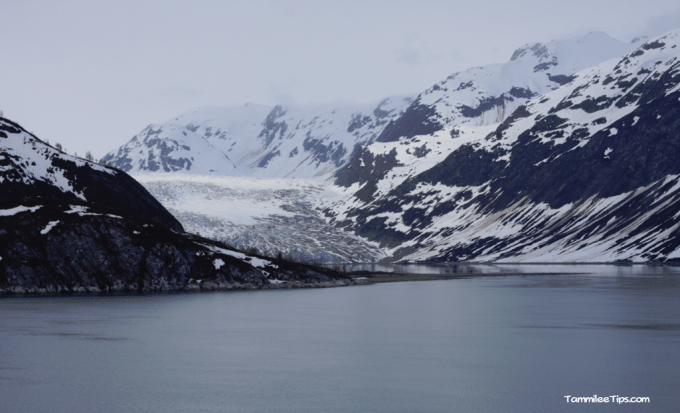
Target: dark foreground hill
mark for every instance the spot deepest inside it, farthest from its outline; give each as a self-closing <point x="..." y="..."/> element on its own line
<point x="68" y="225"/>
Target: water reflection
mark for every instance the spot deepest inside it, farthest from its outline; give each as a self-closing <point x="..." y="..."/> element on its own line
<point x="481" y="269"/>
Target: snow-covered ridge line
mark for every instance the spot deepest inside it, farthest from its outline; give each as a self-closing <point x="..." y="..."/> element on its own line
<point x="467" y="105"/>
<point x="255" y="140"/>
<point x="25" y="159"/>
<point x="586" y="172"/>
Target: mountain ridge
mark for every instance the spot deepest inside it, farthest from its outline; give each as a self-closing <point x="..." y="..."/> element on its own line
<point x="256" y="140"/>
<point x="608" y="136"/>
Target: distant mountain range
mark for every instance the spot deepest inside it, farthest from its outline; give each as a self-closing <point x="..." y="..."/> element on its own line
<point x="257" y="141"/>
<point x="563" y="153"/>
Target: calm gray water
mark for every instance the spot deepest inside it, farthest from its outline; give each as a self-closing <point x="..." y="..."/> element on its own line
<point x="495" y="344"/>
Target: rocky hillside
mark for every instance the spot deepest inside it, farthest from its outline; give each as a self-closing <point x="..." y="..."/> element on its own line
<point x="32" y="171"/>
<point x="69" y="247"/>
<point x="68" y="225"/>
<point x="586" y="172"/>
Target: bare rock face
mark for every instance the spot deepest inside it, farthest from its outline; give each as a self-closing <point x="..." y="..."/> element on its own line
<point x="65" y="248"/>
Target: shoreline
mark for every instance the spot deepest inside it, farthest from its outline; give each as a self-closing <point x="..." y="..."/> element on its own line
<point x="348" y="279"/>
<point x="386" y="277"/>
<point x="356" y="278"/>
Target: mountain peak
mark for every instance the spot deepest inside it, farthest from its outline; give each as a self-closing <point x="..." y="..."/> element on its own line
<point x="586" y="172"/>
<point x="256" y="140"/>
<point x="537" y="50"/>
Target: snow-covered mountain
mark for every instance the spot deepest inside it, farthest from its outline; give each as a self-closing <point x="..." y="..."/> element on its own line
<point x="257" y="141"/>
<point x="585" y="171"/>
<point x="466" y="104"/>
<point x="362" y="144"/>
<point x="32" y="171"/>
<point x="488" y="94"/>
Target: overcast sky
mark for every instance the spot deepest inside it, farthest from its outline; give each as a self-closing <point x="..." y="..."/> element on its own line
<point x="91" y="74"/>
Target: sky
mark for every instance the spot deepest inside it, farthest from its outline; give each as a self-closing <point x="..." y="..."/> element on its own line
<point x="91" y="74"/>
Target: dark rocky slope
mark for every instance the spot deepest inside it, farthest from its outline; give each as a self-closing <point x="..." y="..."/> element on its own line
<point x="67" y="225"/>
<point x="62" y="247"/>
<point x="33" y="170"/>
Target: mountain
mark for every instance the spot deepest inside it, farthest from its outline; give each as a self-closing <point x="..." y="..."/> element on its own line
<point x="487" y="94"/>
<point x="305" y="145"/>
<point x="33" y="171"/>
<point x="257" y="141"/>
<point x="588" y="171"/>
<point x="466" y="104"/>
<point x="69" y="225"/>
<point x="369" y="151"/>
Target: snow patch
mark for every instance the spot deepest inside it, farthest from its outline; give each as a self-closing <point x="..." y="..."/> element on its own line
<point x="254" y="261"/>
<point x="76" y="209"/>
<point x="16" y="210"/>
<point x="49" y="226"/>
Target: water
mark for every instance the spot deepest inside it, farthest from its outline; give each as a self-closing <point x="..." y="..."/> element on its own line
<point x="495" y="344"/>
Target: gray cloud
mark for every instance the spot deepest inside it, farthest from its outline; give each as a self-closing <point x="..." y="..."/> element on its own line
<point x="411" y="57"/>
<point x="662" y="23"/>
<point x="92" y="74"/>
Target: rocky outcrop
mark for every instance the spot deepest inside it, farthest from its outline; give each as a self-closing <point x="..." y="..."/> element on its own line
<point x="71" y="248"/>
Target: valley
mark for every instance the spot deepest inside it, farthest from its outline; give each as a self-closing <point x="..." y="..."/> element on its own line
<point x="565" y="153"/>
<point x="270" y="215"/>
